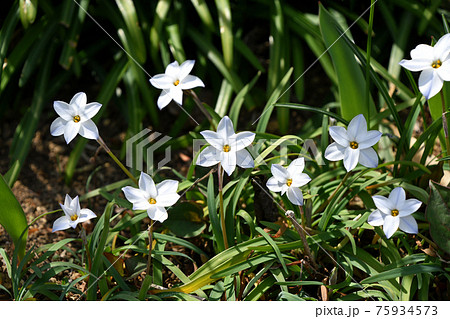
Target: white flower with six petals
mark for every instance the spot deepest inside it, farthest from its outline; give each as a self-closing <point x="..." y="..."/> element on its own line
<point x="73" y="215"/>
<point x="227" y="147"/>
<point x="395" y="212"/>
<point x="151" y="197"/>
<point x="75" y="118"/>
<point x="353" y="145"/>
<point x="288" y="180"/>
<point x="434" y="62"/>
<point x="175" y="79"/>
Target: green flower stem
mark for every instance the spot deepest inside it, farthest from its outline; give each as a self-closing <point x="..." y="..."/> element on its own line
<point x="222" y="214"/>
<point x="200" y="106"/>
<point x="85" y="243"/>
<point x="126" y="171"/>
<point x="150" y="244"/>
<point x="445" y="126"/>
<point x="324" y="204"/>
<point x="435" y="247"/>
<point x="301" y="232"/>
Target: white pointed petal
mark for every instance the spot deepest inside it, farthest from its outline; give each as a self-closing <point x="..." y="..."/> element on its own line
<point x="295" y="195"/>
<point x="300" y="179"/>
<point x="173" y="70"/>
<point x="430" y="83"/>
<point x="213" y="138"/>
<point x="390" y="225"/>
<point x="339" y="135"/>
<point x="157" y="213"/>
<point x="422" y="51"/>
<point x="79" y="100"/>
<point x="185" y="69"/>
<point x="86" y="214"/>
<point x="376" y="218"/>
<point x="75" y="205"/>
<point x="409" y="225"/>
<point x="141" y="205"/>
<point x="167" y="200"/>
<point x="176" y="93"/>
<point x="241" y="140"/>
<point x="397" y="197"/>
<point x="351" y="158"/>
<point x="368" y="157"/>
<point x="296" y="167"/>
<point x="64" y="110"/>
<point x="190" y="82"/>
<point x="335" y="152"/>
<point x="409" y="206"/>
<point x="208" y="157"/>
<point x="274" y="185"/>
<point x="244" y="159"/>
<point x="58" y="126"/>
<point x="356" y="127"/>
<point x="166" y="187"/>
<point x="383" y="204"/>
<point x="71" y="130"/>
<point x="89" y="130"/>
<point x="416" y="65"/>
<point x="444" y="71"/>
<point x="90" y="110"/>
<point x="225" y="128"/>
<point x="163" y="99"/>
<point x="162" y="81"/>
<point x="284" y="188"/>
<point x="369" y="139"/>
<point x="228" y="161"/>
<point x="61" y="223"/>
<point x="134" y="195"/>
<point x="280" y="173"/>
<point x="67" y="200"/>
<point x="147" y="184"/>
<point x="442" y="47"/>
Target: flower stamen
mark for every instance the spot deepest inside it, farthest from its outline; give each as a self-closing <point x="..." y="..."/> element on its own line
<point x="76" y="118"/>
<point x="73" y="217"/>
<point x="176" y="82"/>
<point x="289" y="182"/>
<point x="152" y="201"/>
<point x="436" y="64"/>
<point x="394" y="212"/>
<point x="226" y="148"/>
<point x="354" y="145"/>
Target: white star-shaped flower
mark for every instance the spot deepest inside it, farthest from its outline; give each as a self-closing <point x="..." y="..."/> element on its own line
<point x="174" y="81"/>
<point x="353" y="145"/>
<point x="72" y="214"/>
<point x="227" y="147"/>
<point x="288" y="180"/>
<point x="151" y="197"/>
<point x="395" y="212"/>
<point x="75" y="118"/>
<point x="434" y="62"/>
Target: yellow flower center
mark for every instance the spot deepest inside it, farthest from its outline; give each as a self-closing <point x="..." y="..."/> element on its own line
<point x="176" y="82"/>
<point x="394" y="212"/>
<point x="354" y="145"/>
<point x="226" y="148"/>
<point x="289" y="182"/>
<point x="152" y="201"/>
<point x="436" y="64"/>
<point x="76" y="118"/>
<point x="73" y="218"/>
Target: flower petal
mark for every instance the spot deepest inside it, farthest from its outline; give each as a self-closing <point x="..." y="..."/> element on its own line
<point x="64" y="110"/>
<point x="376" y="218"/>
<point x="241" y="140"/>
<point x="244" y="159"/>
<point x="390" y="225"/>
<point x="173" y="70"/>
<point x="90" y="110"/>
<point x="61" y="223"/>
<point x="75" y="205"/>
<point x="397" y="197"/>
<point x="416" y="65"/>
<point x="67" y="200"/>
<point x="166" y="187"/>
<point x="430" y="83"/>
<point x="71" y="130"/>
<point x="137" y="197"/>
<point x="79" y="100"/>
<point x="147" y="184"/>
<point x="162" y="81"/>
<point x="442" y="47"/>
<point x="356" y="127"/>
<point x="295" y="195"/>
<point x="208" y="157"/>
<point x="408" y="207"/>
<point x="368" y="157"/>
<point x="213" y="138"/>
<point x="335" y="152"/>
<point x="228" y="161"/>
<point x="300" y="179"/>
<point x="190" y="82"/>
<point x="157" y="213"/>
<point x="368" y="139"/>
<point x="185" y="69"/>
<point x="339" y="135"/>
<point x="383" y="204"/>
<point x="89" y="130"/>
<point x="225" y="128"/>
<point x="351" y="158"/>
<point x="422" y="51"/>
<point x="176" y="94"/>
<point x="296" y="167"/>
<point x="408" y="224"/>
<point x="58" y="126"/>
<point x="86" y="214"/>
<point x="163" y="99"/>
<point x="167" y="199"/>
<point x="280" y="173"/>
<point x="444" y="71"/>
<point x="274" y="185"/>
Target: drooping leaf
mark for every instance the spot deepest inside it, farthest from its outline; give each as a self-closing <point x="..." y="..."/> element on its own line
<point x="438" y="215"/>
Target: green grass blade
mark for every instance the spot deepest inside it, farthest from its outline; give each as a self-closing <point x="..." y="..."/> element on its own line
<point x="226" y="32"/>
